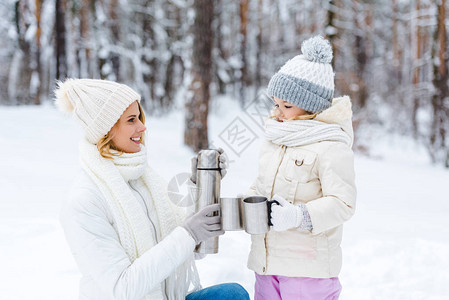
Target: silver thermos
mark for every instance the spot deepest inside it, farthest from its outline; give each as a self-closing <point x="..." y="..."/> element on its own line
<point x="208" y="191"/>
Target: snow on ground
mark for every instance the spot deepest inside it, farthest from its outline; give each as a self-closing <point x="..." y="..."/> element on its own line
<point x="395" y="247"/>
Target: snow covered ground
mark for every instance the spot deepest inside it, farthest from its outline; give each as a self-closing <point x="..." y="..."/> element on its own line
<point x="395" y="247"/>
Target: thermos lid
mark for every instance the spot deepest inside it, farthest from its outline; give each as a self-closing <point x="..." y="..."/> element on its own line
<point x="208" y="159"/>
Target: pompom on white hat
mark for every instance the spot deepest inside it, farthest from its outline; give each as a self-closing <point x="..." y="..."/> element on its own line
<point x="306" y="80"/>
<point x="97" y="104"/>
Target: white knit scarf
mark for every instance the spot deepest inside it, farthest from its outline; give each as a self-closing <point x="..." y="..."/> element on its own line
<point x="303" y="132"/>
<point x="133" y="225"/>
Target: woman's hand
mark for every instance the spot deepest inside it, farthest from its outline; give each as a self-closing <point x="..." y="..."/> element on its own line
<point x="222" y="162"/>
<point x="204" y="225"/>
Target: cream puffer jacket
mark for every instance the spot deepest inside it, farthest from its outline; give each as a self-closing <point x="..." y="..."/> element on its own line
<point x="320" y="175"/>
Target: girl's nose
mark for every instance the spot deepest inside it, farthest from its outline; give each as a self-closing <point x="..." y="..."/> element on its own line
<point x="278" y="112"/>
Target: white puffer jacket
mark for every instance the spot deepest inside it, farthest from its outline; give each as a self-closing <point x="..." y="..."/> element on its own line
<point x="320" y="175"/>
<point x="107" y="272"/>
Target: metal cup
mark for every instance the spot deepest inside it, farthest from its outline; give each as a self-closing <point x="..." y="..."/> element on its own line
<point x="231" y="213"/>
<point x="256" y="212"/>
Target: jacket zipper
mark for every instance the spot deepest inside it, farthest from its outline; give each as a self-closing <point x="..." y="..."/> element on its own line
<point x="148" y="213"/>
<point x="164" y="286"/>
<point x="271" y="197"/>
<point x="277" y="171"/>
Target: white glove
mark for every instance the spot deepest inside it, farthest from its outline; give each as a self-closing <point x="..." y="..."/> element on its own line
<point x="286" y="215"/>
<point x="222" y="164"/>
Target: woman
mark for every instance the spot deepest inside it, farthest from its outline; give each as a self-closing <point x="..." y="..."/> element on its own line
<point x="127" y="238"/>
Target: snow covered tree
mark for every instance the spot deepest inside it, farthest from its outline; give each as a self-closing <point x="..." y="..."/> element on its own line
<point x="439" y="134"/>
<point x="60" y="39"/>
<point x="390" y="56"/>
<point x="243" y="36"/>
<point x="197" y="98"/>
<point x="21" y="69"/>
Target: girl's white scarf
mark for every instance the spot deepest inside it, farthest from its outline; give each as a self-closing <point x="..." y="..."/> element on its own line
<point x="303" y="132"/>
<point x="133" y="225"/>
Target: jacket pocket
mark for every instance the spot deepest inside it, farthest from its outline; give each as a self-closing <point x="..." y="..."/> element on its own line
<point x="299" y="166"/>
<point x="295" y="244"/>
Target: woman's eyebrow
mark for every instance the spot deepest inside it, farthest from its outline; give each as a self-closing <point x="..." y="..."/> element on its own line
<point x="131" y="116"/>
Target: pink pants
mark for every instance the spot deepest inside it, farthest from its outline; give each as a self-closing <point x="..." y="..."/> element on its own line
<point x="273" y="287"/>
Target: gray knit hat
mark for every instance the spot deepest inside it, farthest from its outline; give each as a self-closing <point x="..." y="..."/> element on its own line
<point x="97" y="104"/>
<point x="306" y="80"/>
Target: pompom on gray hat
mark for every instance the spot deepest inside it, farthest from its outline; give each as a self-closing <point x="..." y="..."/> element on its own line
<point x="97" y="104"/>
<point x="306" y="80"/>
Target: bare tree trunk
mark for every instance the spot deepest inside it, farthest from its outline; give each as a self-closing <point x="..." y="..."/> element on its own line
<point x="115" y="30"/>
<point x="219" y="46"/>
<point x="173" y="37"/>
<point x="61" y="57"/>
<point x="416" y="72"/>
<point x="150" y="41"/>
<point x="258" y="75"/>
<point x="438" y="144"/>
<point x="397" y="52"/>
<point x="314" y="19"/>
<point x="167" y="99"/>
<point x="84" y="54"/>
<point x="197" y="104"/>
<point x="36" y="87"/>
<point x="298" y="20"/>
<point x="361" y="56"/>
<point x="244" y="5"/>
<point x="20" y="75"/>
<point x="332" y="32"/>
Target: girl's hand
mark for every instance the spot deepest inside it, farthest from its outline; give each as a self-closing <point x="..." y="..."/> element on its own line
<point x="286" y="215"/>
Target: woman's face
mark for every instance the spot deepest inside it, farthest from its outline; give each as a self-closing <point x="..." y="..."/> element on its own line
<point x="128" y="131"/>
<point x="286" y="111"/>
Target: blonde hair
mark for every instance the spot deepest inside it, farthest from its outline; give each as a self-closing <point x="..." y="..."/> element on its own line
<point x="106" y="146"/>
<point x="307" y="116"/>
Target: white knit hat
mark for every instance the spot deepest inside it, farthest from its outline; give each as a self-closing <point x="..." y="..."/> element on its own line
<point x="306" y="80"/>
<point x="97" y="104"/>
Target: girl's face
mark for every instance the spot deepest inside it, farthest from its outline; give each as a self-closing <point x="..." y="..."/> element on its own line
<point x="128" y="131"/>
<point x="286" y="111"/>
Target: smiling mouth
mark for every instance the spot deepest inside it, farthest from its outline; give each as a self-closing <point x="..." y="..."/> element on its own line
<point x="136" y="140"/>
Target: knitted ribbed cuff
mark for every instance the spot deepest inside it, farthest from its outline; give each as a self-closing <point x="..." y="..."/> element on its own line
<point x="306" y="222"/>
<point x="307" y="95"/>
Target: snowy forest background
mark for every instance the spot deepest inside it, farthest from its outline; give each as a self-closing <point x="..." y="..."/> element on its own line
<point x="201" y="65"/>
<point x="390" y="56"/>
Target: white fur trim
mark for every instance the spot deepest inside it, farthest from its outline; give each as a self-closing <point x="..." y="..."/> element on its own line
<point x="62" y="100"/>
<point x="340" y="110"/>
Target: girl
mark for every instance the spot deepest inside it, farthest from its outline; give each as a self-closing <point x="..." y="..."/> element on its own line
<point x="307" y="165"/>
<point x="127" y="238"/>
